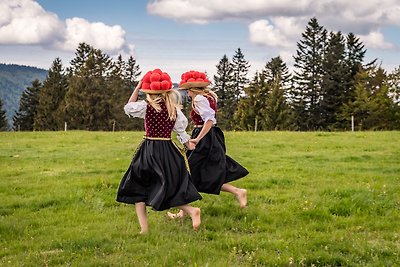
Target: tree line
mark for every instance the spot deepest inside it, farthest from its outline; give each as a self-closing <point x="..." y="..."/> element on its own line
<point x="89" y="95"/>
<point x="330" y="87"/>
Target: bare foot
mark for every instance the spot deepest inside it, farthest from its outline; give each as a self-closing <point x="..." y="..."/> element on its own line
<point x="196" y="218"/>
<point x="241" y="196"/>
<point x="144" y="231"/>
<point x="178" y="215"/>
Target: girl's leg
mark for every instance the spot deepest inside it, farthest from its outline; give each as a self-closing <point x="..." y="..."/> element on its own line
<point x="240" y="194"/>
<point x="194" y="214"/>
<point x="141" y="214"/>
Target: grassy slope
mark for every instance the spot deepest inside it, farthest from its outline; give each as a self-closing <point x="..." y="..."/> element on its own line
<point x="327" y="199"/>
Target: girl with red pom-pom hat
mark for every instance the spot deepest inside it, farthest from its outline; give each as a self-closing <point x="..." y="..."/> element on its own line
<point x="158" y="175"/>
<point x="211" y="169"/>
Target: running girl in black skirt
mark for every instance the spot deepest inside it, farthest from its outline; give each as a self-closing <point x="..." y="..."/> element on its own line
<point x="158" y="175"/>
<point x="211" y="169"/>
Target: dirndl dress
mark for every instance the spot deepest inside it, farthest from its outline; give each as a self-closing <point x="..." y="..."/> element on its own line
<point x="210" y="166"/>
<point x="158" y="174"/>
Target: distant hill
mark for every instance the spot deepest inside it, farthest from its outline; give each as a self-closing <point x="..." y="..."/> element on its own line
<point x="13" y="81"/>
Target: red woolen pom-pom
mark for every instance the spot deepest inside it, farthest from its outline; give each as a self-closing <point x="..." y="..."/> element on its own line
<point x="157" y="71"/>
<point x="189" y="75"/>
<point x="155" y="86"/>
<point x="146" y="78"/>
<point x="145" y="85"/>
<point x="192" y="76"/>
<point x="164" y="85"/>
<point x="165" y="77"/>
<point x="155" y="77"/>
<point x="170" y="84"/>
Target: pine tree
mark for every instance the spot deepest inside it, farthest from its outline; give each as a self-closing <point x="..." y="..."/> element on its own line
<point x="372" y="108"/>
<point x="382" y="116"/>
<point x="132" y="72"/>
<point x="122" y="80"/>
<point x="250" y="113"/>
<point x="394" y="85"/>
<point x="119" y="93"/>
<point x="240" y="68"/>
<point x="334" y="82"/>
<point x="277" y="112"/>
<point x="394" y="94"/>
<point x="355" y="53"/>
<point x="306" y="92"/>
<point x="276" y="70"/>
<point x="3" y="118"/>
<point x="87" y="101"/>
<point x="23" y="119"/>
<point x="360" y="107"/>
<point x="81" y="55"/>
<point x="223" y="87"/>
<point x="51" y="96"/>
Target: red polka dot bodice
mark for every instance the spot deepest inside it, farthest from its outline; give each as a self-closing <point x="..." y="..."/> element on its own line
<point x="196" y="118"/>
<point x="158" y="124"/>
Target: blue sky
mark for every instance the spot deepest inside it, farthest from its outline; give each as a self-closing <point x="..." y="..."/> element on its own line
<point x="178" y="35"/>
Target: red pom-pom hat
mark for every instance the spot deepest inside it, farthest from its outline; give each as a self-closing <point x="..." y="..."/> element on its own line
<point x="156" y="82"/>
<point x="193" y="79"/>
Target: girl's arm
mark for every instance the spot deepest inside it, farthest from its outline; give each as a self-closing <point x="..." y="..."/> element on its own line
<point x="206" y="128"/>
<point x="136" y="108"/>
<point x="180" y="128"/>
<point x="135" y="93"/>
<point x="206" y="113"/>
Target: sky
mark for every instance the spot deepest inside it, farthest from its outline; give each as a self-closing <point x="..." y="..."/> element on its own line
<point x="182" y="35"/>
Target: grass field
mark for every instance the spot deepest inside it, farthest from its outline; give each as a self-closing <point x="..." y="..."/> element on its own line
<point x="315" y="199"/>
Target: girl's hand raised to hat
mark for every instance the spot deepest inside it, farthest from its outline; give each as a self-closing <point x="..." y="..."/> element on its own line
<point x="135" y="93"/>
<point x="139" y="85"/>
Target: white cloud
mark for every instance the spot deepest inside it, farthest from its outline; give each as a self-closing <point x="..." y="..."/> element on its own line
<point x="282" y="32"/>
<point x="278" y="20"/>
<point x="203" y="11"/>
<point x="181" y="10"/>
<point x="25" y="22"/>
<point x="374" y="12"/>
<point x="97" y="34"/>
<point x="376" y="39"/>
<point x="263" y="33"/>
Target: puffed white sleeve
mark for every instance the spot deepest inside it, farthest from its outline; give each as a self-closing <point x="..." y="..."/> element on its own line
<point x="136" y="109"/>
<point x="203" y="107"/>
<point x="180" y="127"/>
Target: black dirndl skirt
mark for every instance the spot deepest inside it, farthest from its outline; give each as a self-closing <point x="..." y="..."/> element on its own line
<point x="158" y="175"/>
<point x="210" y="167"/>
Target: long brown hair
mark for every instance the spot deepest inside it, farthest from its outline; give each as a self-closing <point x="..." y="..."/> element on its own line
<point x="172" y="100"/>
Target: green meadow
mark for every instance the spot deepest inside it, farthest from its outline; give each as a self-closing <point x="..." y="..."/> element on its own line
<point x="314" y="199"/>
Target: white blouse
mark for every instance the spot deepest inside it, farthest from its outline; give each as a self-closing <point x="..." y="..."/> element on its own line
<point x="138" y="110"/>
<point x="203" y="108"/>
